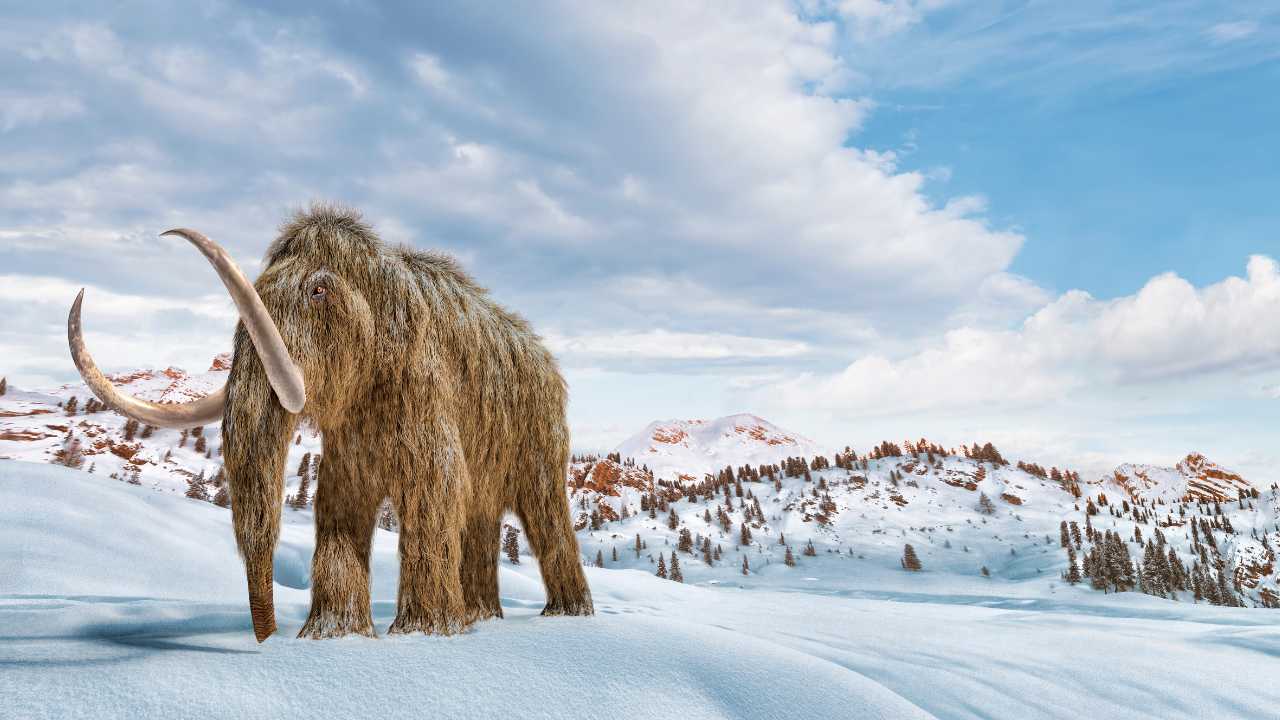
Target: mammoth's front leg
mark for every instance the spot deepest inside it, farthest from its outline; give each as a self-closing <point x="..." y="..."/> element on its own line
<point x="346" y="510"/>
<point x="430" y="505"/>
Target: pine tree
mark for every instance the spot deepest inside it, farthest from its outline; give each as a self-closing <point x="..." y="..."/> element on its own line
<point x="744" y="536"/>
<point x="511" y="545"/>
<point x="196" y="489"/>
<point x="1064" y="536"/>
<point x="148" y="431"/>
<point x="600" y="558"/>
<point x="303" y="497"/>
<point x="387" y="518"/>
<point x="71" y="405"/>
<point x="304" y="465"/>
<point x="985" y="571"/>
<point x="789" y="559"/>
<point x="1224" y="594"/>
<point x="221" y="498"/>
<point x="810" y="550"/>
<point x="638" y="545"/>
<point x="662" y="567"/>
<point x="676" y="574"/>
<point x="614" y="552"/>
<point x="746" y="567"/>
<point x="70" y="454"/>
<point x="1073" y="570"/>
<point x="130" y="429"/>
<point x="201" y="446"/>
<point x="909" y="559"/>
<point x="984" y="505"/>
<point x="686" y="541"/>
<point x="1119" y="567"/>
<point x="4" y="386"/>
<point x="1177" y="572"/>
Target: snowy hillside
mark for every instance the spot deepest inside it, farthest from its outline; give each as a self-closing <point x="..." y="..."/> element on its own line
<point x="113" y="597"/>
<point x="693" y="448"/>
<point x="849" y="512"/>
<point x="967" y="519"/>
<point x="43" y="426"/>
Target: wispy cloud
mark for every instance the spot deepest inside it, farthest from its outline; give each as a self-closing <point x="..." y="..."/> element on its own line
<point x="1231" y="31"/>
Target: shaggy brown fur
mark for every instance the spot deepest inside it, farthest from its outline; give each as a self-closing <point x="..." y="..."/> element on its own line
<point x="427" y="392"/>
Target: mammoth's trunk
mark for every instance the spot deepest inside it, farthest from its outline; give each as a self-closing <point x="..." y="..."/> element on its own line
<point x="255" y="438"/>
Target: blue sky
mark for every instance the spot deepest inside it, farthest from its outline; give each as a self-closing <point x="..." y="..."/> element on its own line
<point x="1048" y="226"/>
<point x="1117" y="171"/>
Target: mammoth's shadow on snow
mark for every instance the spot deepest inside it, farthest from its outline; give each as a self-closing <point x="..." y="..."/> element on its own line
<point x="136" y="627"/>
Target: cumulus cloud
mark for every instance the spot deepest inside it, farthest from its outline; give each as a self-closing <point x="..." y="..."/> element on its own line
<point x="705" y="144"/>
<point x="1167" y="330"/>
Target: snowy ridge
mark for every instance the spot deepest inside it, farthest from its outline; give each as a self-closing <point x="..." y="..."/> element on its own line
<point x="1194" y="478"/>
<point x="692" y="448"/>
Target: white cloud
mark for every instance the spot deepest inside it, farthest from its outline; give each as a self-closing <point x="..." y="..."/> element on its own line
<point x="1231" y="31"/>
<point x="667" y="345"/>
<point x="20" y="110"/>
<point x="430" y="72"/>
<point x="880" y="18"/>
<point x="1167" y="330"/>
<point x="123" y="331"/>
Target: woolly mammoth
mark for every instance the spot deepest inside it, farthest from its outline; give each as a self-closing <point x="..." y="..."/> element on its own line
<point x="426" y="392"/>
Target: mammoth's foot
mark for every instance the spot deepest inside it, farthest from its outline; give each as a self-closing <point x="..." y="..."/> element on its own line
<point x="484" y="611"/>
<point x="435" y="621"/>
<point x="578" y="606"/>
<point x="324" y="624"/>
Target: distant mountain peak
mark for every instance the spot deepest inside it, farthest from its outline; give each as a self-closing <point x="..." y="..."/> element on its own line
<point x="680" y="447"/>
<point x="1195" y="477"/>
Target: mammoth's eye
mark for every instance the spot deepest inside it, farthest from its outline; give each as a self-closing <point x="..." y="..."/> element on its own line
<point x="319" y="293"/>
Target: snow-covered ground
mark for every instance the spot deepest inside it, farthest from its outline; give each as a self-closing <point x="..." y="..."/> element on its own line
<point x="120" y="601"/>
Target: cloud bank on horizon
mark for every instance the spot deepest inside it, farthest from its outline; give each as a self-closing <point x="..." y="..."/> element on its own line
<point x="679" y="197"/>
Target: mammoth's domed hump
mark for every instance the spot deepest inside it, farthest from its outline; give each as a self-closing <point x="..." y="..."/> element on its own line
<point x="330" y="233"/>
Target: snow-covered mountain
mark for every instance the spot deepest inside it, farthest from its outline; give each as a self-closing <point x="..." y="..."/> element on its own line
<point x="1194" y="478"/>
<point x="692" y="448"/>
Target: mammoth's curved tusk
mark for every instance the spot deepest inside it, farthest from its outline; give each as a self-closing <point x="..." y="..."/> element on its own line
<point x="286" y="378"/>
<point x="204" y="411"/>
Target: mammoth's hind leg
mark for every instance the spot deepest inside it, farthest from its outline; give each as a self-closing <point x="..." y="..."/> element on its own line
<point x="344" y="517"/>
<point x="544" y="512"/>
<point x="480" y="540"/>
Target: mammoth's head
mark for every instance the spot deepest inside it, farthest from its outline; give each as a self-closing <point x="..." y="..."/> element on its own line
<point x="307" y="317"/>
